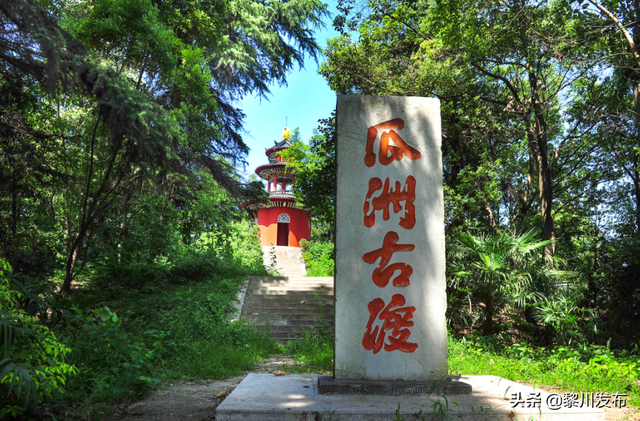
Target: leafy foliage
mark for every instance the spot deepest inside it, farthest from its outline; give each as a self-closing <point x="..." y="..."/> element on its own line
<point x="104" y="112"/>
<point x="577" y="369"/>
<point x="501" y="269"/>
<point x="318" y="257"/>
<point x="112" y="363"/>
<point x="33" y="365"/>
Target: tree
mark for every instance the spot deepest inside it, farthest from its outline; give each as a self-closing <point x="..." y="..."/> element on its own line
<point x="315" y="166"/>
<point x="128" y="101"/>
<point x="507" y="75"/>
<point x="622" y="17"/>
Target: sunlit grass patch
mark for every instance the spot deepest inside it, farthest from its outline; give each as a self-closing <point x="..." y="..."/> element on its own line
<point x="564" y="369"/>
<point x="312" y="354"/>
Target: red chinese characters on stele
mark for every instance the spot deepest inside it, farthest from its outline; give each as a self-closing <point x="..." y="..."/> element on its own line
<point x="390" y="197"/>
<point x="382" y="274"/>
<point x="388" y="153"/>
<point x="395" y="318"/>
<point x="394" y="327"/>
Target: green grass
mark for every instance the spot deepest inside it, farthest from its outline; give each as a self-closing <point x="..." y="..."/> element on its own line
<point x="312" y="354"/>
<point x="563" y="369"/>
<point x="158" y="334"/>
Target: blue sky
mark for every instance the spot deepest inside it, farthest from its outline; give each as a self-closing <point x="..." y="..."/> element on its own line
<point x="304" y="100"/>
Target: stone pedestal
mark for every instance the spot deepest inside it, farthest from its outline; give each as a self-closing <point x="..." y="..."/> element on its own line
<point x="390" y="255"/>
<point x="449" y="386"/>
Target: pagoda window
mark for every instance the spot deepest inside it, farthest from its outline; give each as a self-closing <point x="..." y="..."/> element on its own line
<point x="283" y="218"/>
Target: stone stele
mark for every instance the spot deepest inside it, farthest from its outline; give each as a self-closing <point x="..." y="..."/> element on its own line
<point x="407" y="338"/>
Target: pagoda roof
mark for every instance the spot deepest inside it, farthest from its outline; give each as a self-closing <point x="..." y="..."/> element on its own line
<point x="278" y="146"/>
<point x="279" y="168"/>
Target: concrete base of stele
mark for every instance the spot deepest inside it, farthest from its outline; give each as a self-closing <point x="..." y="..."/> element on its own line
<point x="450" y="386"/>
<point x="295" y="397"/>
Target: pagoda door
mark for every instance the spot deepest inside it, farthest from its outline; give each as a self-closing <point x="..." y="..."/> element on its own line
<point x="283" y="230"/>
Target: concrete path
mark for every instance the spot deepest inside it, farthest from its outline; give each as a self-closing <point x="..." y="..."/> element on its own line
<point x="267" y="397"/>
<point x="189" y="401"/>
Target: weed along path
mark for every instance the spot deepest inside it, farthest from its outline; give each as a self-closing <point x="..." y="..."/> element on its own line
<point x="289" y="306"/>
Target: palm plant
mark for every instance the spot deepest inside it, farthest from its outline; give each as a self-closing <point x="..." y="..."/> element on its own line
<point x="501" y="269"/>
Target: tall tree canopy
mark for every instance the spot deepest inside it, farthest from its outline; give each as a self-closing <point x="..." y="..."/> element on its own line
<point x="522" y="86"/>
<point x="101" y="100"/>
<point x="540" y="121"/>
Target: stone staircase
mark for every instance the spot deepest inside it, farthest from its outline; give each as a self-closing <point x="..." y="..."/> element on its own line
<point x="288" y="260"/>
<point x="289" y="305"/>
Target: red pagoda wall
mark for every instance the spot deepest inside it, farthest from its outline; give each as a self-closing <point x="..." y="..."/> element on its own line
<point x="268" y="226"/>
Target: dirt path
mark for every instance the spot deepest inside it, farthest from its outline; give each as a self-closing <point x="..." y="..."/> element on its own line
<point x="198" y="401"/>
<point x="191" y="400"/>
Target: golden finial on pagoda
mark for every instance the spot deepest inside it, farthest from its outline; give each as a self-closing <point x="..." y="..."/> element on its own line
<point x="286" y="134"/>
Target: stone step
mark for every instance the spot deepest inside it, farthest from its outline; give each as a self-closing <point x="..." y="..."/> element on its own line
<point x="283" y="292"/>
<point x="288" y="260"/>
<point x="280" y="331"/>
<point x="263" y="315"/>
<point x="322" y="290"/>
<point x="294" y="317"/>
<point x="279" y="279"/>
<point x="285" y="310"/>
<point x="293" y="286"/>
<point x="273" y="324"/>
<point x="289" y="305"/>
<point x="269" y="313"/>
<point x="311" y="303"/>
<point x="279" y="312"/>
<point x="292" y="290"/>
<point x="269" y="301"/>
<point x="287" y="300"/>
<point x="297" y="295"/>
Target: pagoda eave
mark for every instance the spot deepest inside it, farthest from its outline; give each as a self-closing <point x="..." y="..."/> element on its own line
<point x="274" y="149"/>
<point x="273" y="203"/>
<point x="263" y="171"/>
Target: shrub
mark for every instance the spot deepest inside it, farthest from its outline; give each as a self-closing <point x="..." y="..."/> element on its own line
<point x="113" y="364"/>
<point x="500" y="270"/>
<point x="318" y="257"/>
<point x="33" y="366"/>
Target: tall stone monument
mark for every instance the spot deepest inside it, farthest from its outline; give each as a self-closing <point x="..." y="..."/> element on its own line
<point x="390" y="256"/>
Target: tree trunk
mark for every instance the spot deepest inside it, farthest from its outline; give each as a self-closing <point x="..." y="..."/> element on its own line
<point x="72" y="259"/>
<point x="635" y="162"/>
<point x="487" y="326"/>
<point x="636" y="100"/>
<point x="14" y="214"/>
<point x="545" y="178"/>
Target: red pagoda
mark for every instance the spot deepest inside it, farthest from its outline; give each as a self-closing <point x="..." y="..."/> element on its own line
<point x="280" y="221"/>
